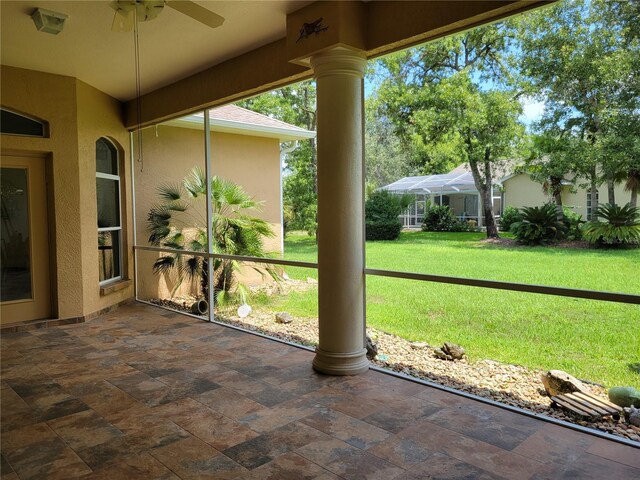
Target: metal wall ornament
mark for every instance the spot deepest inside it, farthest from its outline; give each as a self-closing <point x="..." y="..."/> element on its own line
<point x="309" y="29"/>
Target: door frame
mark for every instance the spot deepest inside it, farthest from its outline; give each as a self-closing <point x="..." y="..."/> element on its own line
<point x="43" y="288"/>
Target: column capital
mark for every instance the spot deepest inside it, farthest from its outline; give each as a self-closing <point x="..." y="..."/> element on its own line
<point x="339" y="61"/>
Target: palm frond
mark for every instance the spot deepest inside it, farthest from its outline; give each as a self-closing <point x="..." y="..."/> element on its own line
<point x="195" y="183"/>
<point x="164" y="264"/>
<point x="170" y="191"/>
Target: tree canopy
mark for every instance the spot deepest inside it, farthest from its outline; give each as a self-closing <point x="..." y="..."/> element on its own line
<point x="458" y="100"/>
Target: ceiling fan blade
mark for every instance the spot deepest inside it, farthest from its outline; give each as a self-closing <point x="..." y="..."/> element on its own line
<point x="197" y="12"/>
<point x="122" y="21"/>
<point x="124" y="16"/>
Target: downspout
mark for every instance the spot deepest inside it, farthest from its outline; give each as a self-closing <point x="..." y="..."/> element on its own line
<point x="284" y="152"/>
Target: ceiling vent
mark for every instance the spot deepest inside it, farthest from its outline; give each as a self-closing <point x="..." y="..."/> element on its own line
<point x="48" y="21"/>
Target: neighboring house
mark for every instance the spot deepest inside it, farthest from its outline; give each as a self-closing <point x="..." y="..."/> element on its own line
<point x="455" y="189"/>
<point x="245" y="149"/>
<point x="520" y="190"/>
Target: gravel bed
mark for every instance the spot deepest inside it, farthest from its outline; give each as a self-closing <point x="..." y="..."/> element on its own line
<point x="509" y="384"/>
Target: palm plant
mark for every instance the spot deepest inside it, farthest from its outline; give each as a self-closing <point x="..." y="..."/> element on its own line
<point x="179" y="222"/>
<point x="621" y="225"/>
<point x="539" y="225"/>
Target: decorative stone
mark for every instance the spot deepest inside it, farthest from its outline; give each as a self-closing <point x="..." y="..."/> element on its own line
<point x="438" y="353"/>
<point x="625" y="396"/>
<point x="456" y="351"/>
<point x="450" y="351"/>
<point x="557" y="382"/>
<point x="634" y="417"/>
<point x="283" y="317"/>
<point x="419" y="345"/>
<point x="244" y="310"/>
<point x="372" y="348"/>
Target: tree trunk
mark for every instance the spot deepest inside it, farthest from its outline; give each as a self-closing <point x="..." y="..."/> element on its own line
<point x="556" y="185"/>
<point x="611" y="191"/>
<point x="484" y="184"/>
<point x="558" y="200"/>
<point x="593" y="193"/>
<point x="487" y="208"/>
<point x="204" y="280"/>
<point x="634" y="197"/>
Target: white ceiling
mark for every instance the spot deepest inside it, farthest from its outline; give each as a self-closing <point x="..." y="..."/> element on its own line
<point x="172" y="46"/>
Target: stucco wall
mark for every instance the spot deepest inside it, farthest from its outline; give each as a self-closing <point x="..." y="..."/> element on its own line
<point x="77" y="115"/>
<point x="52" y="98"/>
<point x="170" y="153"/>
<point x="521" y="191"/>
<point x="99" y="115"/>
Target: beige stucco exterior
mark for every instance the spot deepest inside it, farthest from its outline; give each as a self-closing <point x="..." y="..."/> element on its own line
<point x="77" y="115"/>
<point x="521" y="191"/>
<point x="170" y="154"/>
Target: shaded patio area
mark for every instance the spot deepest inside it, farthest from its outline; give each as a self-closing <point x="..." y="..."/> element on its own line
<point x="142" y="392"/>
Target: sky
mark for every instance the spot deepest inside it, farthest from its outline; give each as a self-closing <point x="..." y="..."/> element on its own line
<point x="532" y="110"/>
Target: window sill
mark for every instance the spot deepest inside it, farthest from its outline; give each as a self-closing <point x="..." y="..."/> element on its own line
<point x="114" y="287"/>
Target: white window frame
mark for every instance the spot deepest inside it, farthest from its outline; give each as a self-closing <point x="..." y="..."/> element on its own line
<point x="116" y="178"/>
<point x="590" y="211"/>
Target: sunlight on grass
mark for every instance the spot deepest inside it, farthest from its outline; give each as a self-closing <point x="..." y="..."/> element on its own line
<point x="596" y="341"/>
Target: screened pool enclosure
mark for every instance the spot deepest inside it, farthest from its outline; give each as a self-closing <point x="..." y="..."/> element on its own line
<point x="455" y="189"/>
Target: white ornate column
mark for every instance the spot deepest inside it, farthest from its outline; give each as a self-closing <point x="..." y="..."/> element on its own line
<point x="341" y="296"/>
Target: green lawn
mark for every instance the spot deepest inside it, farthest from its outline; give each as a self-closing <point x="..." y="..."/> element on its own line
<point x="597" y="341"/>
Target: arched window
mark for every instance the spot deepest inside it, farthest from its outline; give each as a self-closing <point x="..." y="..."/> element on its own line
<point x="12" y="123"/>
<point x="109" y="217"/>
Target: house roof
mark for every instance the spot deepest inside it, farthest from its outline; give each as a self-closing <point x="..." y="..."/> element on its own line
<point x="238" y="120"/>
<point x="454" y="181"/>
<point x="460" y="179"/>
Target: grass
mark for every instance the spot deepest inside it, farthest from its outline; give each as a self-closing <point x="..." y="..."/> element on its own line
<point x="593" y="340"/>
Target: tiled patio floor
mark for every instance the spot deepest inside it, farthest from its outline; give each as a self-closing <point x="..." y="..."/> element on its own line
<point x="145" y="393"/>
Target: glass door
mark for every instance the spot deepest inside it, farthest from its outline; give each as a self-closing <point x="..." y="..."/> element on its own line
<point x="24" y="242"/>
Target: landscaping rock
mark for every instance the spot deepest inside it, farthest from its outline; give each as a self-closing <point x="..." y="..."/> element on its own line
<point x="312" y="281"/>
<point x="634" y="417"/>
<point x="372" y="348"/>
<point x="450" y="351"/>
<point x="625" y="396"/>
<point x="283" y="317"/>
<point x="419" y="345"/>
<point x="557" y="382"/>
<point x="456" y="351"/>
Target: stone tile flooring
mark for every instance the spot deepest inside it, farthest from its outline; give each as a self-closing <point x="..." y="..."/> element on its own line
<point x="145" y="393"/>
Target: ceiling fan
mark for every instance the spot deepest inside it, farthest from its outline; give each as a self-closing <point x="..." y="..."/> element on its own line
<point x="128" y="11"/>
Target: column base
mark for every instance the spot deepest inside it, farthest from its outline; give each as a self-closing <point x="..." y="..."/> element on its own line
<point x="341" y="363"/>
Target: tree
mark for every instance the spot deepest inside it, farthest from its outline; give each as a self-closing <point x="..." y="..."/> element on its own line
<point x="295" y="104"/>
<point x="387" y="159"/>
<point x="582" y="59"/>
<point x="552" y="157"/>
<point x="432" y="94"/>
<point x="179" y="222"/>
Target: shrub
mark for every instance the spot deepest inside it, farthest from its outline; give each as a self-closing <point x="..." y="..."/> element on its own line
<point x="539" y="225"/>
<point x="510" y="216"/>
<point x="174" y="223"/>
<point x="573" y="224"/>
<point x="621" y="226"/>
<point x="382" y="210"/>
<point x="382" y="230"/>
<point x="440" y="218"/>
